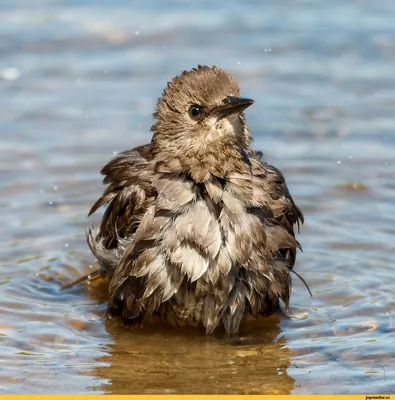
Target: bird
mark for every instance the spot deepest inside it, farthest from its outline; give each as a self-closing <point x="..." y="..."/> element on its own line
<point x="197" y="228"/>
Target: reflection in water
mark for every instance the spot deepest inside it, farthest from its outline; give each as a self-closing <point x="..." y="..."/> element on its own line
<point x="162" y="359"/>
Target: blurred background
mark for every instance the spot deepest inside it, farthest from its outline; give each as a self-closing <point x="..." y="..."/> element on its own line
<point x="78" y="83"/>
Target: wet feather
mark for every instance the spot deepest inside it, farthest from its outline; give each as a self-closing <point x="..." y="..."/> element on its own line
<point x="197" y="227"/>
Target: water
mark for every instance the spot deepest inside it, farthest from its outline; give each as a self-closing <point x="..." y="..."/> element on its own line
<point x="78" y="82"/>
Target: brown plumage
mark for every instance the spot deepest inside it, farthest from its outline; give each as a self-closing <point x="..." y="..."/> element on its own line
<point x="197" y="227"/>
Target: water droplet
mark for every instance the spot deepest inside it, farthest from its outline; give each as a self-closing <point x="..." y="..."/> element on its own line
<point x="238" y="62"/>
<point x="66" y="245"/>
<point x="339" y="162"/>
<point x="136" y="33"/>
<point x="55" y="188"/>
<point x="105" y="71"/>
<point x="10" y="74"/>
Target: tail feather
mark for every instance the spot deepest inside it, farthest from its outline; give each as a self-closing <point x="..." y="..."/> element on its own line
<point x="107" y="258"/>
<point x="304" y="282"/>
<point x="87" y="278"/>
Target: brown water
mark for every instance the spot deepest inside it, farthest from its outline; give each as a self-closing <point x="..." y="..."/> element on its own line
<point x="78" y="81"/>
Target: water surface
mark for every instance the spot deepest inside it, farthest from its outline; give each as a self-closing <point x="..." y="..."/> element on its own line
<point x="78" y="82"/>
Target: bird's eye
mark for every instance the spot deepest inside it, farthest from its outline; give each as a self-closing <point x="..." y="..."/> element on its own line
<point x="195" y="112"/>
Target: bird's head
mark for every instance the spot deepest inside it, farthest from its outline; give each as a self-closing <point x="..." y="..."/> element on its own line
<point x="200" y="112"/>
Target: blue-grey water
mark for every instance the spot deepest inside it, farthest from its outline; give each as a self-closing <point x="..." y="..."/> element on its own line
<point x="78" y="82"/>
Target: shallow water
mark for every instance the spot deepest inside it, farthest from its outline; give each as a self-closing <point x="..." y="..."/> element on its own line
<point x="78" y="81"/>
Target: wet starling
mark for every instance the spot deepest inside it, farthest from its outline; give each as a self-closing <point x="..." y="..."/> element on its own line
<point x="197" y="229"/>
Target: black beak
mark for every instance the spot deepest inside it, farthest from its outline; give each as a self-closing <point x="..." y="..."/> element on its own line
<point x="232" y="105"/>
